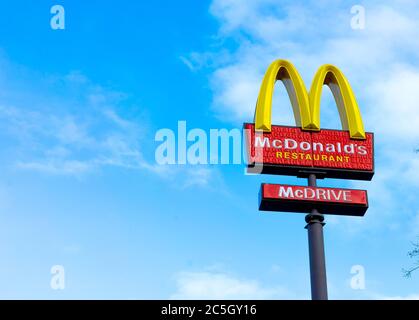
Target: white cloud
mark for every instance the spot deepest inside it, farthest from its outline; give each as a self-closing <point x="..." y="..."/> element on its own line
<point x="197" y="60"/>
<point x="67" y="125"/>
<point x="198" y="176"/>
<point x="217" y="285"/>
<point x="394" y="115"/>
<point x="408" y="297"/>
<point x="57" y="167"/>
<point x="70" y="144"/>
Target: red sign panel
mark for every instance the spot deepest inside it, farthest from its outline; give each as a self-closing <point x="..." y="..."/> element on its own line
<point x="276" y="197"/>
<point x="290" y="150"/>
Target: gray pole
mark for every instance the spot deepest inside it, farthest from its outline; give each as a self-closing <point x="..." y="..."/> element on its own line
<point x="316" y="250"/>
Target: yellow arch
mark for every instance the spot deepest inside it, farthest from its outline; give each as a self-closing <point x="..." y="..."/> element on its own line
<point x="306" y="107"/>
<point x="349" y="113"/>
<point x="286" y="72"/>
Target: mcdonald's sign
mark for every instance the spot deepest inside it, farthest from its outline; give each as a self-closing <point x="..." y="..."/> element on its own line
<point x="285" y="150"/>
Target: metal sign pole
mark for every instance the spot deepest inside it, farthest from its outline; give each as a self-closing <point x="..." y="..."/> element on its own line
<point x="316" y="250"/>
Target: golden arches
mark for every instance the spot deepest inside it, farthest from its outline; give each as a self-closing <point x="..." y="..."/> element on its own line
<point x="306" y="106"/>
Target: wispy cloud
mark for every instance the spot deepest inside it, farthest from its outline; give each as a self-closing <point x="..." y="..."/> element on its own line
<point x="69" y="125"/>
<point x="198" y="60"/>
<point x="408" y="297"/>
<point x="218" y="285"/>
<point x="201" y="177"/>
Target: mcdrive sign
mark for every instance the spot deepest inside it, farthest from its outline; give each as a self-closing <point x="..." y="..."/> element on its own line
<point x="306" y="148"/>
<point x="276" y="197"/>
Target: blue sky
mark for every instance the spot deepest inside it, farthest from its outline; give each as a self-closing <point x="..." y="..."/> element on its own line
<point x="79" y="185"/>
